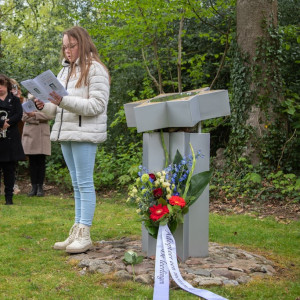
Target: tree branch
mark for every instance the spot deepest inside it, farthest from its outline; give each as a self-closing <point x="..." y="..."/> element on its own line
<point x="283" y="148"/>
<point x="212" y="6"/>
<point x="148" y="71"/>
<point x="203" y="21"/>
<point x="222" y="60"/>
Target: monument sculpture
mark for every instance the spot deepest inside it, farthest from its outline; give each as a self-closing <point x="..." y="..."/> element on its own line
<point x="179" y="115"/>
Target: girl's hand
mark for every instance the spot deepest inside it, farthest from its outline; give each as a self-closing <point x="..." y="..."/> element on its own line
<point x="39" y="104"/>
<point x="56" y="99"/>
<point x="30" y="114"/>
<point x="5" y="125"/>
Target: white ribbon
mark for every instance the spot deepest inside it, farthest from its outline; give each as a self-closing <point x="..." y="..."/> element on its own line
<point x="165" y="262"/>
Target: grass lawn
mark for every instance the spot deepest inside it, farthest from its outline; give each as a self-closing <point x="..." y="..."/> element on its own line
<point x="31" y="269"/>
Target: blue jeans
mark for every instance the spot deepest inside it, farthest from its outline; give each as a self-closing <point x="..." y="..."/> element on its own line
<point x="80" y="159"/>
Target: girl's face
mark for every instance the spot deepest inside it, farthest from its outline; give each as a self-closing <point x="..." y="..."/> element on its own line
<point x="70" y="48"/>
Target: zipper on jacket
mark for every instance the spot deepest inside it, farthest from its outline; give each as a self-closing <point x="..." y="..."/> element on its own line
<point x="62" y="111"/>
<point x="79" y="120"/>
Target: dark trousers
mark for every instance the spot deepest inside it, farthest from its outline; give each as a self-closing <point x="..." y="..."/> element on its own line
<point x="37" y="167"/>
<point x="8" y="169"/>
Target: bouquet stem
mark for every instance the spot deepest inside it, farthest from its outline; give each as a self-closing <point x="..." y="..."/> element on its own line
<point x="187" y="186"/>
<point x="165" y="148"/>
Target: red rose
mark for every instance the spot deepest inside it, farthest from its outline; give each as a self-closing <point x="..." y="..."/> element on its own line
<point x="157" y="193"/>
<point x="152" y="176"/>
<point x="176" y="200"/>
<point x="158" y="211"/>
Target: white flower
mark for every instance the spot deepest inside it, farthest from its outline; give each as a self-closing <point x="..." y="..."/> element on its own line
<point x="169" y="196"/>
<point x="168" y="190"/>
<point x="158" y="174"/>
<point x="164" y="173"/>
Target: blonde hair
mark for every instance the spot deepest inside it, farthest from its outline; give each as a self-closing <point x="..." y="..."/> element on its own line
<point x="15" y="82"/>
<point x="87" y="53"/>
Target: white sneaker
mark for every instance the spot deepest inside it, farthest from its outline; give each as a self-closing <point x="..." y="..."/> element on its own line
<point x="69" y="240"/>
<point x="82" y="240"/>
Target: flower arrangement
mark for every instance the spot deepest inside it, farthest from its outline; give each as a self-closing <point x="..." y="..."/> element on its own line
<point x="164" y="197"/>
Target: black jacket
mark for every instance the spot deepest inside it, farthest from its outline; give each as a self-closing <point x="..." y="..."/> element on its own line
<point x="11" y="147"/>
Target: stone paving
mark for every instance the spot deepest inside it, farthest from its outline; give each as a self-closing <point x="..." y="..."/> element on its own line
<point x="225" y="265"/>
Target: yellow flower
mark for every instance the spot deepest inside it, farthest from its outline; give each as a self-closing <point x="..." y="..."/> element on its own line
<point x="169" y="196"/>
<point x="145" y="178"/>
<point x="158" y="174"/>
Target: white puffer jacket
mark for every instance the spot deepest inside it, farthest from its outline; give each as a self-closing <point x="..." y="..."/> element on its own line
<point x="82" y="114"/>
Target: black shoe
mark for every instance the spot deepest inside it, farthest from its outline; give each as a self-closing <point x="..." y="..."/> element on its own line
<point x="8" y="201"/>
<point x="40" y="191"/>
<point x="33" y="191"/>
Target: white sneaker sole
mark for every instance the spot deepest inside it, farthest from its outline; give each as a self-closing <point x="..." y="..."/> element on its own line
<point x="81" y="250"/>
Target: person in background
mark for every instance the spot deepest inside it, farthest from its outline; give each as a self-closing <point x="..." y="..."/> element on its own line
<point x="80" y="125"/>
<point x="16" y="90"/>
<point x="36" y="144"/>
<point x="11" y="149"/>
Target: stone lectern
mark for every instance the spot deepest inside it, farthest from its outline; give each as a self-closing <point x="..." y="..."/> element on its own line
<point x="187" y="110"/>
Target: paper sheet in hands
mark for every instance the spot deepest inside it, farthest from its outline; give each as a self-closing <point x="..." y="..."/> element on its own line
<point x="28" y="106"/>
<point x="42" y="85"/>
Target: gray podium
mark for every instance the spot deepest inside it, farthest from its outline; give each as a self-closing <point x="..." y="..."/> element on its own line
<point x="188" y="111"/>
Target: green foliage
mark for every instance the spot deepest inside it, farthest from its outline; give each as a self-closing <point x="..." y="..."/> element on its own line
<point x="267" y="84"/>
<point x="138" y="41"/>
<point x="248" y="183"/>
<point x="115" y="169"/>
<point x="132" y="258"/>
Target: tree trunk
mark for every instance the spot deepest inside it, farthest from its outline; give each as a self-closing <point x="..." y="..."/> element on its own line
<point x="250" y="15"/>
<point x="254" y="17"/>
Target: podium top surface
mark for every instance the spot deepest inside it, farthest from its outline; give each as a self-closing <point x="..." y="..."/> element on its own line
<point x="177" y="110"/>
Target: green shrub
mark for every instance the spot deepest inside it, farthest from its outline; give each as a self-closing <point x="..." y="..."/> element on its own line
<point x="246" y="183"/>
